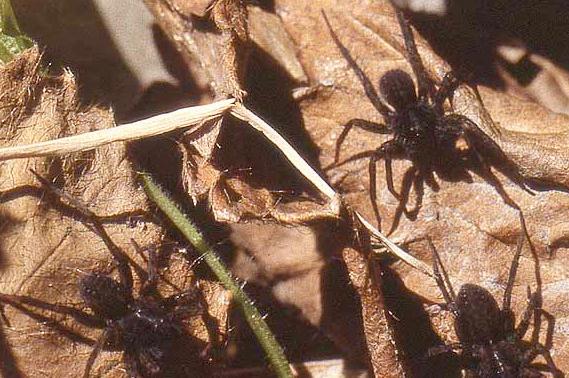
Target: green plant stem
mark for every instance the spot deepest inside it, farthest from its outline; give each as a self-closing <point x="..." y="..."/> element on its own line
<point x="272" y="349"/>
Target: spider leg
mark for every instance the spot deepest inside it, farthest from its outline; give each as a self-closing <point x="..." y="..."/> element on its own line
<point x="419" y="193"/>
<point x="495" y="182"/>
<point x="95" y="352"/>
<point x="389" y="177"/>
<point x="538" y="349"/>
<point x="363" y="124"/>
<point x="445" y="90"/>
<point x="491" y="151"/>
<point x="75" y="206"/>
<point x="550" y="328"/>
<point x="512" y="275"/>
<point x="441" y="349"/>
<point x="360" y="155"/>
<point x="369" y="89"/>
<point x="429" y="178"/>
<point x="152" y="278"/>
<point x="491" y="178"/>
<point x="386" y="151"/>
<point x="441" y="277"/>
<point x="523" y="325"/>
<point x="21" y="303"/>
<point x="372" y="185"/>
<point x="425" y="85"/>
<point x="408" y="178"/>
<point x="184" y="304"/>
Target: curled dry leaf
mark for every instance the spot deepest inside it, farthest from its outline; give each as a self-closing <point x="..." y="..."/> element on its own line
<point x="473" y="229"/>
<point x="223" y="58"/>
<point x="45" y="251"/>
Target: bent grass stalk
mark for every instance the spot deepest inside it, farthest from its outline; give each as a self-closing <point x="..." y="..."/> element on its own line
<point x="272" y="349"/>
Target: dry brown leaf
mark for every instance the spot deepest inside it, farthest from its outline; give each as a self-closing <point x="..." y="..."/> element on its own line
<point x="44" y="253"/>
<point x="474" y="230"/>
<point x="268" y="32"/>
<point x="222" y="53"/>
<point x="302" y="268"/>
<point x="548" y="83"/>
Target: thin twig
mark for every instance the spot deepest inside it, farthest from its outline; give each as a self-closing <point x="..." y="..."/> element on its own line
<point x="149" y="127"/>
<point x="187" y="117"/>
<point x="288" y="151"/>
<point x="395" y="249"/>
<point x="311" y="175"/>
<point x="257" y="323"/>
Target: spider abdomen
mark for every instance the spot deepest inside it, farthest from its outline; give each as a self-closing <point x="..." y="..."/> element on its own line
<point x="479" y="319"/>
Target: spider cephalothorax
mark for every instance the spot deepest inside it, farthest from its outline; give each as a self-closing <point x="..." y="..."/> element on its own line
<point x="435" y="140"/>
<point x="490" y="344"/>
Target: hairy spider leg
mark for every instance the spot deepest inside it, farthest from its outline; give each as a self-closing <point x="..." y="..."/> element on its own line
<point x="151" y="282"/>
<point x="441" y="277"/>
<point x="470" y="132"/>
<point x="101" y="341"/>
<point x="537" y="348"/>
<point x="184" y="304"/>
<point x="502" y="162"/>
<point x="121" y="261"/>
<point x="446" y="89"/>
<point x="377" y="128"/>
<point x="507" y="300"/>
<point x="413" y="178"/>
<point x="425" y="85"/>
<point x="369" y="89"/>
<point x="386" y="151"/>
<point x="550" y="328"/>
<point x="523" y="325"/>
<point x="442" y="349"/>
<point x="419" y="192"/>
<point x="541" y="350"/>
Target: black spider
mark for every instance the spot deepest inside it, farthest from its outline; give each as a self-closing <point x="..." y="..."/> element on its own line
<point x="490" y="345"/>
<point x="148" y="329"/>
<point x="434" y="140"/>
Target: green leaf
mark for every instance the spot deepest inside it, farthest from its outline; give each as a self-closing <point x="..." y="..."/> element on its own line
<point x="12" y="40"/>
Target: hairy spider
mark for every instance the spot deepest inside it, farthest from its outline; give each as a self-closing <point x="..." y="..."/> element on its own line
<point x="434" y="140"/>
<point x="490" y="344"/>
<point x="148" y="329"/>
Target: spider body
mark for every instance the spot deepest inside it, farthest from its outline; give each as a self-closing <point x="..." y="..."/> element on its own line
<point x="148" y="328"/>
<point x="147" y="331"/>
<point x="433" y="139"/>
<point x="413" y="123"/>
<point x="490" y="344"/>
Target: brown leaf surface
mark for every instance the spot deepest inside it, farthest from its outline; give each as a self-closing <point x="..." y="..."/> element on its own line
<point x="460" y="217"/>
<point x="44" y="253"/>
<point x="474" y="231"/>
